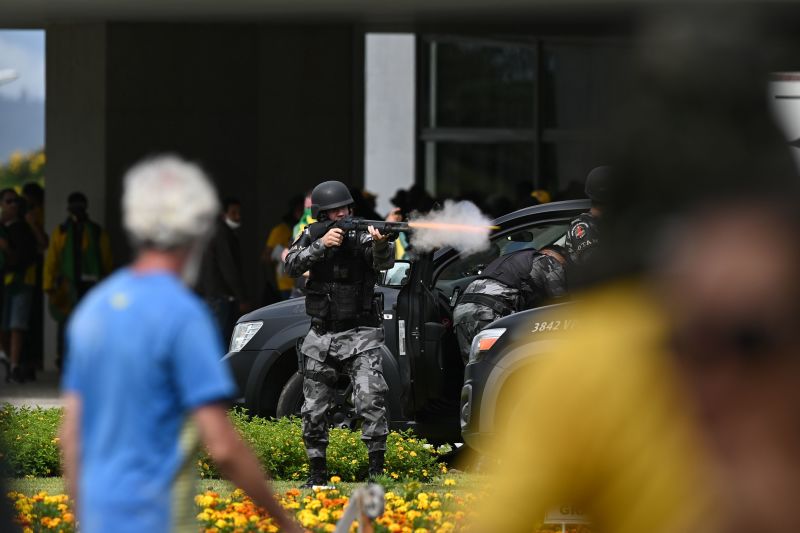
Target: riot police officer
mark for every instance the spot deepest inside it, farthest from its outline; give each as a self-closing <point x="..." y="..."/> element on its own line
<point x="584" y="232"/>
<point x="513" y="282"/>
<point x="346" y="334"/>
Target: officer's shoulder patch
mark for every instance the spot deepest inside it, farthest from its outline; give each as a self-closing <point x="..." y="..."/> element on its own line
<point x="579" y="230"/>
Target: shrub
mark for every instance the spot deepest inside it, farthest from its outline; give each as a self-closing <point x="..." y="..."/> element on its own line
<point x="28" y="437"/>
<point x="279" y="446"/>
<point x="29" y="442"/>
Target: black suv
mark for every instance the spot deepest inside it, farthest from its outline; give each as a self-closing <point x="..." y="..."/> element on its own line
<point x="421" y="361"/>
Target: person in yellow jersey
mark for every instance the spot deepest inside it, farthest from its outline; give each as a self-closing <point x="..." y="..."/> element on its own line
<point x="79" y="257"/>
<point x="606" y="430"/>
<point x="278" y="241"/>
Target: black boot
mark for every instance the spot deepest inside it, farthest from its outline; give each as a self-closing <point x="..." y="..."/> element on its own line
<point x="318" y="473"/>
<point x="375" y="464"/>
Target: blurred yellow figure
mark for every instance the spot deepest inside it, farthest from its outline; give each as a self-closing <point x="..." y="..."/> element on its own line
<point x="542" y="195"/>
<point x="602" y="426"/>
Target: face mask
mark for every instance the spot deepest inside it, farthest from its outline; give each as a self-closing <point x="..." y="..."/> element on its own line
<point x="232" y="224"/>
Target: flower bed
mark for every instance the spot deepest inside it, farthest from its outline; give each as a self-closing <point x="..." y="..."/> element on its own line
<point x="409" y="509"/>
<point x="317" y="511"/>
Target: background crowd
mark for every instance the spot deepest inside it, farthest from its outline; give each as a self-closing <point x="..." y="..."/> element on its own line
<point x="62" y="267"/>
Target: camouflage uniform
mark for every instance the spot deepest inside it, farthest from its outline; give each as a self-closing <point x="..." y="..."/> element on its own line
<point x="546" y="280"/>
<point x="470" y="318"/>
<point x="355" y="352"/>
<point x="582" y="238"/>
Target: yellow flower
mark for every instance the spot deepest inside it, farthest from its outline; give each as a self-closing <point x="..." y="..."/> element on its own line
<point x="220" y="523"/>
<point x="449" y="482"/>
<point x="413" y="454"/>
<point x="335" y="479"/>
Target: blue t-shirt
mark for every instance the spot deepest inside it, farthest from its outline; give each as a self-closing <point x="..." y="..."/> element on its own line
<point x="143" y="353"/>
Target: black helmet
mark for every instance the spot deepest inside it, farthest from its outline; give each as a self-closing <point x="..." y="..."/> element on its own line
<point x="329" y="195"/>
<point x="597" y="184"/>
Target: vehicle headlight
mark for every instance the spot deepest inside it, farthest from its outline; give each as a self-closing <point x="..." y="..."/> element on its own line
<point x="242" y="333"/>
<point x="483" y="341"/>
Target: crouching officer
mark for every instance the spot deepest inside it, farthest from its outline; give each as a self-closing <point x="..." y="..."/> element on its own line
<point x="346" y="333"/>
<point x="513" y="282"/>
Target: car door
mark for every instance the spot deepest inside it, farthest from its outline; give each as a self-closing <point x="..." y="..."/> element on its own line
<point x="426" y="305"/>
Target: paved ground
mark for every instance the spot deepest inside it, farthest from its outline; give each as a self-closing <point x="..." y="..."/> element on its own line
<point x="43" y="392"/>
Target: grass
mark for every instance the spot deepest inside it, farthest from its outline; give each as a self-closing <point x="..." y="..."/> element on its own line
<point x="55" y="485"/>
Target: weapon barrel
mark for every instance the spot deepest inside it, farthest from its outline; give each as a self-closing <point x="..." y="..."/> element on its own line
<point x="383" y="226"/>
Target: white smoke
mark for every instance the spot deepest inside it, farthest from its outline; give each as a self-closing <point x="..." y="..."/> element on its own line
<point x="467" y="241"/>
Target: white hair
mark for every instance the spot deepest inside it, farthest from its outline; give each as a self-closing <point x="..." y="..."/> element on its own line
<point x="168" y="203"/>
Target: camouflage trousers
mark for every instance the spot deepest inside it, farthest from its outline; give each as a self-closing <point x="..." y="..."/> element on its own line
<point x="468" y="328"/>
<point x="470" y="318"/>
<point x="369" y="390"/>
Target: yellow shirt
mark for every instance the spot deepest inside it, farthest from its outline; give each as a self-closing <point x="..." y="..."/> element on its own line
<point x="602" y="427"/>
<point x="281" y="235"/>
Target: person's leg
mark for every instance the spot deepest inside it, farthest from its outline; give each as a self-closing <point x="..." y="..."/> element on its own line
<point x="318" y="389"/>
<point x="21" y="301"/>
<point x="16" y="336"/>
<point x="369" y="396"/>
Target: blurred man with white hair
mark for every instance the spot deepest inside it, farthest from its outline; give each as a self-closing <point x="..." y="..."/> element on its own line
<point x="144" y="384"/>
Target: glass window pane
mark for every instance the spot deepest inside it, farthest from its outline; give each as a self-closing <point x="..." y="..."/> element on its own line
<point x="565" y="166"/>
<point x="496" y="177"/>
<point x="584" y="84"/>
<point x="478" y="85"/>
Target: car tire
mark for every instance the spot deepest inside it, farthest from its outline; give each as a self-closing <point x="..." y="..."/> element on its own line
<point x="291" y="399"/>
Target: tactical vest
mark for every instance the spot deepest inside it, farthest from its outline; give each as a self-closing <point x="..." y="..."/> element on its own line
<point x="341" y="287"/>
<point x="512" y="269"/>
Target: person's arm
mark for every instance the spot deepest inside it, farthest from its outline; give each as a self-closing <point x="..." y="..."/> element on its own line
<point x="548" y="277"/>
<point x="71" y="443"/>
<point x="52" y="261"/>
<point x="238" y="463"/>
<point x="378" y="249"/>
<point x="38" y="232"/>
<point x="305" y="252"/>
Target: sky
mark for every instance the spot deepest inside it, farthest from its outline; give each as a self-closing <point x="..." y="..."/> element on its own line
<point x="23" y="51"/>
<point x="22" y="100"/>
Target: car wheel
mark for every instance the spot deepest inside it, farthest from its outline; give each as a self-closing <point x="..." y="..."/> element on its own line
<point x="291" y="399"/>
<point x="341" y="414"/>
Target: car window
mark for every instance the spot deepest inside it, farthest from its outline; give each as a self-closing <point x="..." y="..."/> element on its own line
<point x="397" y="275"/>
<point x="520" y="239"/>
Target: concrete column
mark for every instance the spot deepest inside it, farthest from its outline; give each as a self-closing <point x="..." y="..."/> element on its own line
<point x="75" y="136"/>
<point x="389" y="156"/>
